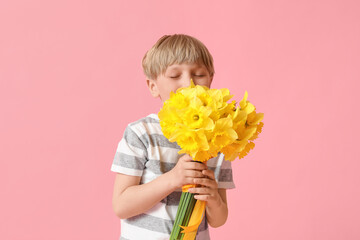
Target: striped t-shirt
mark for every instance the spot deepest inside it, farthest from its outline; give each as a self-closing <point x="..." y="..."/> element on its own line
<point x="144" y="151"/>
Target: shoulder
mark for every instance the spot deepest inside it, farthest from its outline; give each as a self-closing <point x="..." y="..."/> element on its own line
<point x="146" y="125"/>
<point x="151" y="118"/>
<point x="222" y="171"/>
<point x="144" y="130"/>
<point x="147" y="131"/>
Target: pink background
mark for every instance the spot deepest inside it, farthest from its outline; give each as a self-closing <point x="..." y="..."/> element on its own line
<point x="71" y="80"/>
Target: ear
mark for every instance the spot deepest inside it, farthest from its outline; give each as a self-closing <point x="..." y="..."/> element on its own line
<point x="152" y="85"/>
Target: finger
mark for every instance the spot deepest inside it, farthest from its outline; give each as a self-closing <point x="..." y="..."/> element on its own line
<point x="189" y="180"/>
<point x="207" y="182"/>
<point x="202" y="197"/>
<point x="195" y="166"/>
<point x="202" y="190"/>
<point x="186" y="158"/>
<point x="193" y="174"/>
<point x="209" y="173"/>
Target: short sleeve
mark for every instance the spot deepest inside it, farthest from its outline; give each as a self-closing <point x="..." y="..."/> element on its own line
<point x="130" y="156"/>
<point x="224" y="175"/>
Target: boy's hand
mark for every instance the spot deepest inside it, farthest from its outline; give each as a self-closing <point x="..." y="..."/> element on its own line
<point x="208" y="189"/>
<point x="186" y="170"/>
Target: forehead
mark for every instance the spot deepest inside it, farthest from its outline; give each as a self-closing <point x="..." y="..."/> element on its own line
<point x="186" y="66"/>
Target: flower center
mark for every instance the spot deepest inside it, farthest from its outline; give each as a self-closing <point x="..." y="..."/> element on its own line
<point x="196" y="117"/>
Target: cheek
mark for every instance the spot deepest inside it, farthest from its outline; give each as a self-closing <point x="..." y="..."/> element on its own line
<point x="175" y="86"/>
<point x="165" y="90"/>
<point x="204" y="82"/>
<point x="168" y="87"/>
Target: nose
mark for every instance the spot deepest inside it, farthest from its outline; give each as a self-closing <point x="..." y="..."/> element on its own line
<point x="186" y="80"/>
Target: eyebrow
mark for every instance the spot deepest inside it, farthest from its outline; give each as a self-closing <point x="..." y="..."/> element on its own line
<point x="198" y="67"/>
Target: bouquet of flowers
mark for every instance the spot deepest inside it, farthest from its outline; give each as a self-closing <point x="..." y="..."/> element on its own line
<point x="204" y="123"/>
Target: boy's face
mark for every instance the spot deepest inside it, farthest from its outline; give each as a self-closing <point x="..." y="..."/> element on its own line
<point x="177" y="76"/>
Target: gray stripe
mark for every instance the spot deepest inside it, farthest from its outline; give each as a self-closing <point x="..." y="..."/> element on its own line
<point x="128" y="161"/>
<point x="157" y="140"/>
<point x="151" y="223"/>
<point x="122" y="238"/>
<point x="225" y="175"/>
<point x="132" y="139"/>
<point x="159" y="167"/>
<point x="222" y="175"/>
<point x="172" y="199"/>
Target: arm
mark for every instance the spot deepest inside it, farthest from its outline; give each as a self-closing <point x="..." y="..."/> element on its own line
<point x="217" y="215"/>
<point x="216" y="202"/>
<point x="130" y="198"/>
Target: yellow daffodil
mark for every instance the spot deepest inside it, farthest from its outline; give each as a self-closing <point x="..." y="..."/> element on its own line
<point x="248" y="147"/>
<point x="204" y="123"/>
<point x="191" y="142"/>
<point x="223" y="134"/>
<point x="239" y="116"/>
<point x="198" y="118"/>
<point x="202" y="156"/>
<point x="231" y="151"/>
<point x="258" y="131"/>
<point x="245" y="132"/>
<point x="179" y="101"/>
<point x="254" y="118"/>
<point x="246" y="105"/>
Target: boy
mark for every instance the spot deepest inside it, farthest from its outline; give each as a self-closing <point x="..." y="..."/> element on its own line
<point x="150" y="173"/>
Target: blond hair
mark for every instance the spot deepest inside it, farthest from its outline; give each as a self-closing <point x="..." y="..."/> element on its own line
<point x="177" y="48"/>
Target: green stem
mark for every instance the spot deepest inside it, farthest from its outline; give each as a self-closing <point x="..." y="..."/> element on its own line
<point x="174" y="231"/>
<point x="189" y="212"/>
<point x="191" y="208"/>
<point x="183" y="212"/>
